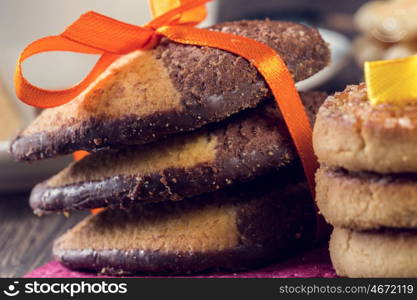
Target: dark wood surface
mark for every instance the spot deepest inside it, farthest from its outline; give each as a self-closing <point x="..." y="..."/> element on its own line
<point x="25" y="239"/>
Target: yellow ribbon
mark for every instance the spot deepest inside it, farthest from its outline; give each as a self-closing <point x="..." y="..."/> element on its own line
<point x="392" y="81"/>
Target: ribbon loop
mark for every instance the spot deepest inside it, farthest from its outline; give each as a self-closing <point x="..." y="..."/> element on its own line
<point x="94" y="33"/>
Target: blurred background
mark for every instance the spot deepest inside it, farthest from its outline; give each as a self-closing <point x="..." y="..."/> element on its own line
<point x="356" y="30"/>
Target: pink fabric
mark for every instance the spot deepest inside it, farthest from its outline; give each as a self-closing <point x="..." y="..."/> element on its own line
<point x="315" y="263"/>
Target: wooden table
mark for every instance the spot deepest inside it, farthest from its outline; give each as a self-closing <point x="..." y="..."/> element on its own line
<point x="25" y="239"/>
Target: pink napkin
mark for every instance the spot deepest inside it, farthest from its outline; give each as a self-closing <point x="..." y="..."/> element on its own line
<point x="315" y="263"/>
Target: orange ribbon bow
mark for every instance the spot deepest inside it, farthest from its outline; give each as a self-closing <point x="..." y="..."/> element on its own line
<point x="94" y="33"/>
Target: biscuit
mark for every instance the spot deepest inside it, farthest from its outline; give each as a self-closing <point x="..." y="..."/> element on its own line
<point x="232" y="229"/>
<point x="351" y="133"/>
<point x="388" y="253"/>
<point x="148" y="95"/>
<point x="363" y="200"/>
<point x="239" y="149"/>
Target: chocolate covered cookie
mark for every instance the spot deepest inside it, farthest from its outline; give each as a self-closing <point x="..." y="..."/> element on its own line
<point x="385" y="253"/>
<point x="239" y="149"/>
<point x="232" y="229"/>
<point x="147" y="95"/>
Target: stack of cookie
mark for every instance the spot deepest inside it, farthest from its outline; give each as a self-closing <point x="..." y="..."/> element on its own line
<point x="189" y="156"/>
<point x="367" y="184"/>
<point x="388" y="30"/>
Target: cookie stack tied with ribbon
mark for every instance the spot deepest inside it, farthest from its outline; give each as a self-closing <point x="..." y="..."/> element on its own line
<point x="193" y="163"/>
<point x="365" y="138"/>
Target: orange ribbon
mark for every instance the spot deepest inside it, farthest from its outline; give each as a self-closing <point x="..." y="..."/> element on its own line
<point x="93" y="33"/>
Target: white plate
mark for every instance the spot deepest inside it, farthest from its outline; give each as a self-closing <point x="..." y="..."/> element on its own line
<point x="340" y="47"/>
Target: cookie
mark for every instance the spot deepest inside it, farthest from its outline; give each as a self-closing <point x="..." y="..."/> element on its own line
<point x="388" y="21"/>
<point x="364" y="200"/>
<point x="374" y="254"/>
<point x="351" y="133"/>
<point x="239" y="149"/>
<point x="232" y="229"/>
<point x="147" y="95"/>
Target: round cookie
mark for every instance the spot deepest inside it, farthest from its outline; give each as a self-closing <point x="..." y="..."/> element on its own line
<point x="374" y="254"/>
<point x="361" y="201"/>
<point x="352" y="134"/>
<point x="232" y="229"/>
